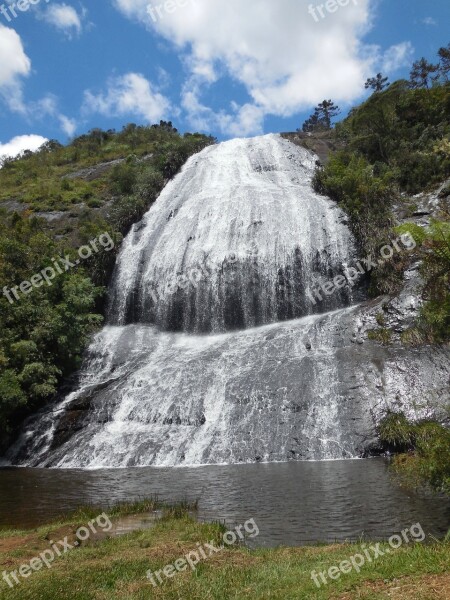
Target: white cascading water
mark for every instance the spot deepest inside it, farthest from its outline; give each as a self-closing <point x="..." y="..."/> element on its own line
<point x="233" y="242"/>
<point x="211" y="369"/>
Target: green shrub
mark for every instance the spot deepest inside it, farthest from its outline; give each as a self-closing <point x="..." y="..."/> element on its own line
<point x="396" y="431"/>
<point x="383" y="335"/>
<point x="428" y="445"/>
<point x="349" y="179"/>
<point x="123" y="178"/>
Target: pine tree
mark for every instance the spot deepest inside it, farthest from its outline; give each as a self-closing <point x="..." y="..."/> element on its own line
<point x="378" y="83"/>
<point x="444" y="65"/>
<point x="311" y="124"/>
<point x="326" y="111"/>
<point x="321" y="119"/>
<point x="421" y="74"/>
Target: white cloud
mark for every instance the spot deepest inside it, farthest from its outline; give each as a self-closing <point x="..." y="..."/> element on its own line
<point x="48" y="107"/>
<point x="14" y="64"/>
<point x="63" y="17"/>
<point x="130" y="94"/>
<point x="397" y="57"/>
<point x="20" y="143"/>
<point x="13" y="60"/>
<point x="242" y="121"/>
<point x="284" y="58"/>
<point x="69" y="126"/>
<point x="430" y="21"/>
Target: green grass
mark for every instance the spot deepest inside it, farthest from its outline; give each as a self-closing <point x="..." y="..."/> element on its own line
<point x="116" y="568"/>
<point x="115" y="510"/>
<point x="384" y="336"/>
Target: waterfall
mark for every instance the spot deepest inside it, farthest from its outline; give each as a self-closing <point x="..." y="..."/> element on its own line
<point x="235" y="241"/>
<point x="215" y="350"/>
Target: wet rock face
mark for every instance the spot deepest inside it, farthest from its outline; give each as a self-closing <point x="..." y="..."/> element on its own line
<point x="258" y="395"/>
<point x="321" y="144"/>
<point x="423" y="207"/>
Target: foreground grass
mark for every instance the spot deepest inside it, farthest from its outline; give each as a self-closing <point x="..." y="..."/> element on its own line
<point x="116" y="568"/>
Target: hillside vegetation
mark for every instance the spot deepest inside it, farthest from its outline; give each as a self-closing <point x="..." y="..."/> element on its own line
<point x="395" y="145"/>
<point x="53" y="202"/>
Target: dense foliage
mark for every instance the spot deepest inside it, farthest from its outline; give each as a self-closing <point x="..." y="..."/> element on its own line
<point x="424" y="449"/>
<point x="434" y="252"/>
<point x="397" y="144"/>
<point x="101" y="183"/>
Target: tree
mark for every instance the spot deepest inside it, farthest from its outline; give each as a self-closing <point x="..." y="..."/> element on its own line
<point x="444" y="65"/>
<point x="321" y="119"/>
<point x="311" y="124"/>
<point x="326" y="111"/>
<point x="50" y="146"/>
<point x="378" y="83"/>
<point x="166" y="126"/>
<point x="421" y="73"/>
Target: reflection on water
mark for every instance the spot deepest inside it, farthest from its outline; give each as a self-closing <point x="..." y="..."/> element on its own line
<point x="293" y="503"/>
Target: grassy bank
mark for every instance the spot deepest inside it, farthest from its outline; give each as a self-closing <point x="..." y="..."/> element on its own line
<point x="116" y="568"/>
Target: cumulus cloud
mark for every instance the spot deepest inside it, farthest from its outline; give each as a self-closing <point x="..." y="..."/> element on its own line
<point x="130" y="94"/>
<point x="48" y="107"/>
<point x="241" y="121"/>
<point x="63" y="17"/>
<point x="69" y="126"/>
<point x="21" y="143"/>
<point x="14" y="64"/>
<point x="286" y="60"/>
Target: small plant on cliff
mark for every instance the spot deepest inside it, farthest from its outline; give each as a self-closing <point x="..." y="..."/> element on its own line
<point x="396" y="432"/>
<point x="383" y="335"/>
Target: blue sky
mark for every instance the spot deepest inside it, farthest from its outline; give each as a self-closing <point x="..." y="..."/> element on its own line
<point x="225" y="67"/>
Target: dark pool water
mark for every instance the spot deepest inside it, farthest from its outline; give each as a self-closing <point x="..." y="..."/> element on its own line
<point x="293" y="503"/>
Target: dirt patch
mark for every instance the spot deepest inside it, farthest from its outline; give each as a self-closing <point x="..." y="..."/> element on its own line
<point x="11" y="544"/>
<point x="34" y="542"/>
